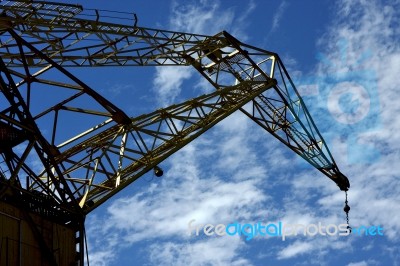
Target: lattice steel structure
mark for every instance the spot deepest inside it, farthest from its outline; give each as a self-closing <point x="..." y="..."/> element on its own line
<point x="77" y="169"/>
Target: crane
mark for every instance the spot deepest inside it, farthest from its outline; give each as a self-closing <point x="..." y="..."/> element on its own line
<point x="79" y="168"/>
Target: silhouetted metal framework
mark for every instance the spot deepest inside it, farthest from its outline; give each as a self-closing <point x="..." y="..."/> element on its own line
<point x="63" y="142"/>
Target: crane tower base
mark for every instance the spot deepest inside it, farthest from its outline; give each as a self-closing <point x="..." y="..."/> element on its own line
<point x="58" y="243"/>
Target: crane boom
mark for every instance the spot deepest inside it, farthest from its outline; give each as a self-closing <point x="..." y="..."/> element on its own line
<point x="82" y="167"/>
<point x="63" y="33"/>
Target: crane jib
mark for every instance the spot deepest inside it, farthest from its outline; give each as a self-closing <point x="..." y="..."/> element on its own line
<point x="78" y="168"/>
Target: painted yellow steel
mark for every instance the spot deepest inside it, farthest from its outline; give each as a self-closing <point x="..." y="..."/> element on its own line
<point x="82" y="167"/>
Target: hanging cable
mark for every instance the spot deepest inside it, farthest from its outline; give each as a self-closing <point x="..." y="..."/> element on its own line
<point x="346" y="210"/>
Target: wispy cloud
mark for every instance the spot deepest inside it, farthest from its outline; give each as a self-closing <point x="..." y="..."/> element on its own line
<point x="118" y="88"/>
<point x="364" y="29"/>
<point x="276" y="20"/>
<point x="168" y="83"/>
<point x="203" y="17"/>
<point x="295" y="249"/>
<point x="215" y="251"/>
<point x="360" y="40"/>
<point x="192" y="188"/>
<point x="230" y="173"/>
<point x="360" y="263"/>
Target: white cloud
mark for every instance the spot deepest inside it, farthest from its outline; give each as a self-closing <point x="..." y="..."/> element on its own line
<point x="360" y="263"/>
<point x="168" y="81"/>
<point x="195" y="186"/>
<point x="119" y="88"/>
<point x="215" y="251"/>
<point x="101" y="258"/>
<point x="187" y="193"/>
<point x="360" y="39"/>
<point x="317" y="246"/>
<point x="200" y="18"/>
<point x="278" y="15"/>
<point x="295" y="249"/>
<point x="101" y="248"/>
<point x="375" y="184"/>
<point x="369" y="262"/>
<point x="203" y="17"/>
<point x="192" y="188"/>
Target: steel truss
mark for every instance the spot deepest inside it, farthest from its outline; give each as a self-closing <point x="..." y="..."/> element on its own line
<point x="79" y="169"/>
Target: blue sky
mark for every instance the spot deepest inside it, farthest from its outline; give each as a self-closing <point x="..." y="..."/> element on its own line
<point x="344" y="57"/>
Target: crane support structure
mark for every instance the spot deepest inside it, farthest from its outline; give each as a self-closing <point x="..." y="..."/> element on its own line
<point x="52" y="170"/>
